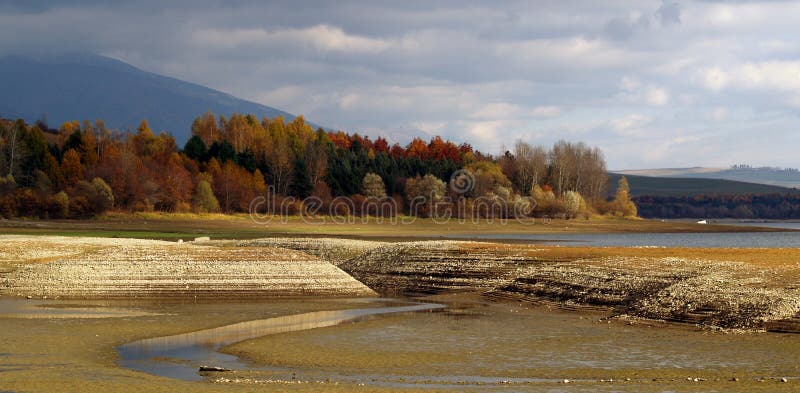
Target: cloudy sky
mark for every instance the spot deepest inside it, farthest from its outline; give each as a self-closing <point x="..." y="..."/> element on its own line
<point x="653" y="83"/>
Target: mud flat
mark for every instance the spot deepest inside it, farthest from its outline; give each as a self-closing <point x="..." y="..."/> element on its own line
<point x="128" y="268"/>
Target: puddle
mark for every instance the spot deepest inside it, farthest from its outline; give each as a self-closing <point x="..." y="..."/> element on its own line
<point x="187" y="352"/>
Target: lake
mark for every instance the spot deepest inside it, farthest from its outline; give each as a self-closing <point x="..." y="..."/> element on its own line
<point x="699" y="240"/>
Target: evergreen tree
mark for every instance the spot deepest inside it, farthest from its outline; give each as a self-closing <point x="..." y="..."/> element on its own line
<point x="301" y="182"/>
<point x="196" y="149"/>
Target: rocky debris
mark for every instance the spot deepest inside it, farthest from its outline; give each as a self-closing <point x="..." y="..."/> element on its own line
<point x="128" y="268"/>
<point x="428" y="267"/>
<point x="711" y="293"/>
<point x="334" y="250"/>
<point x="731" y="295"/>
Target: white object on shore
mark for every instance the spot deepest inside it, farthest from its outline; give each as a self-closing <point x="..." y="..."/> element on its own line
<point x="202" y="239"/>
<point x="702" y="222"/>
<point x="180" y="241"/>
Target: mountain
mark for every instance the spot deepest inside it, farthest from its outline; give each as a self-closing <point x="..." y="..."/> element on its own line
<point x="87" y="86"/>
<point x="675" y="186"/>
<point x="789" y="178"/>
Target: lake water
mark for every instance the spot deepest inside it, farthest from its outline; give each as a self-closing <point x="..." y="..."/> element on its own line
<point x="700" y="240"/>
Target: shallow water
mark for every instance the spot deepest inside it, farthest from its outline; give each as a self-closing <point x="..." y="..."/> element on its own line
<point x="43" y="309"/>
<point x="178" y="356"/>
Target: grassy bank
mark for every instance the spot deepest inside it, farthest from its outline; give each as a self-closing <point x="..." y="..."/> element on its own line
<point x="187" y="226"/>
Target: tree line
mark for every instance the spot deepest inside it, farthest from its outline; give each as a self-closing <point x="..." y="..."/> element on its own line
<point x="83" y="169"/>
<point x="764" y="206"/>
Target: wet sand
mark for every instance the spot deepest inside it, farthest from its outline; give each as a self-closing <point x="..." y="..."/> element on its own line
<point x="475" y="344"/>
<point x="79" y="355"/>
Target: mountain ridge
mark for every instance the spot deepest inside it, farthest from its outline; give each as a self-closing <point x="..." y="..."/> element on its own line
<point x="88" y="86"/>
<point x="788" y="178"/>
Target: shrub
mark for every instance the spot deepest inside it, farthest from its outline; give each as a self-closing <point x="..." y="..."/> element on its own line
<point x="573" y="204"/>
<point x="80" y="207"/>
<point x="58" y="205"/>
<point x="103" y="197"/>
<point x="204" y="199"/>
<point x="29" y="204"/>
<point x="373" y="187"/>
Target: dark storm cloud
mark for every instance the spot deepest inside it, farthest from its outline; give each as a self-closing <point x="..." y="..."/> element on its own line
<point x="676" y="77"/>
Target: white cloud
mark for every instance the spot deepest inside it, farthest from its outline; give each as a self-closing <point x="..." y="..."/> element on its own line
<point x="773" y="75"/>
<point x="546" y="111"/>
<point x="662" y="70"/>
<point x="657" y="96"/>
<point x="714" y="79"/>
<point x="633" y="91"/>
<point x="321" y="37"/>
<point x="719" y="113"/>
<point x="630" y="125"/>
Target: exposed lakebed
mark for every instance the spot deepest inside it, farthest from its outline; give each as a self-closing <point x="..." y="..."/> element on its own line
<point x="469" y="344"/>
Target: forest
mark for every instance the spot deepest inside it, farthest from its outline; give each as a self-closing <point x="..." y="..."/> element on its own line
<point x="83" y="169"/>
<point x="765" y="206"/>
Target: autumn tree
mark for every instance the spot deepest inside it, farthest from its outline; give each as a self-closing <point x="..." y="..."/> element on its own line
<point x="487" y="176"/>
<point x="423" y="193"/>
<point x="71" y="167"/>
<point x="622" y="203"/>
<point x="373" y="187"/>
<point x="206" y="128"/>
<point x="144" y="139"/>
<point x="531" y="165"/>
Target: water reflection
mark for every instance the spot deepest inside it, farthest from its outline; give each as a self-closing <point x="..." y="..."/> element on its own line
<point x="40" y="309"/>
<point x="179" y="356"/>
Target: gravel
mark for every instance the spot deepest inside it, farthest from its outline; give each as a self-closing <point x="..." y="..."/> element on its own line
<point x="129" y="268"/>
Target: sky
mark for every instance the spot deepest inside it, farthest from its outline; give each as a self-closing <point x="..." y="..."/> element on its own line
<point x="652" y="83"/>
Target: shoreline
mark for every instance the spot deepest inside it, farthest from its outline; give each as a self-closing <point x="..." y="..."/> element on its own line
<point x="729" y="288"/>
<point x="186" y="227"/>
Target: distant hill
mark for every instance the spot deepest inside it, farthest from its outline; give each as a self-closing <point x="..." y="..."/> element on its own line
<point x="765" y="175"/>
<point x="86" y="86"/>
<point x="670" y="186"/>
